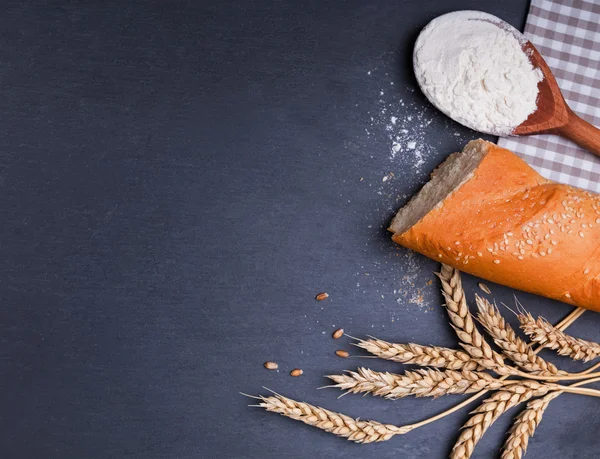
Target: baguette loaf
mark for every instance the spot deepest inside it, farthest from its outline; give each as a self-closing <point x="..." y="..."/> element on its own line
<point x="486" y="212"/>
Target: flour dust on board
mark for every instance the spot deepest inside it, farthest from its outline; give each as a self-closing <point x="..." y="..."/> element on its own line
<point x="405" y="127"/>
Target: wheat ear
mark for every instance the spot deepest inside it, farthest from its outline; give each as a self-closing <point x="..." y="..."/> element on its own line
<point x="563" y="324"/>
<point x="336" y="423"/>
<point x="506" y="339"/>
<point x="420" y="383"/>
<point x="524" y="427"/>
<point x="541" y="331"/>
<point x="415" y="354"/>
<point x="490" y="410"/>
<point x="462" y="322"/>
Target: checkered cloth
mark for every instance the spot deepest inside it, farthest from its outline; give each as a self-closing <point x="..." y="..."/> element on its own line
<point x="567" y="34"/>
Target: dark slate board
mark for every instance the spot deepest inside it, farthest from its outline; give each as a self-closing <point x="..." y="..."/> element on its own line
<point x="178" y="180"/>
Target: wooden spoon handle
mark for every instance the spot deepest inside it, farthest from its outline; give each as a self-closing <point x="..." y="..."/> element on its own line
<point x="581" y="132"/>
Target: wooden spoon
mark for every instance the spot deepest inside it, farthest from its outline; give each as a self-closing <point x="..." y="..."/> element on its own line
<point x="553" y="115"/>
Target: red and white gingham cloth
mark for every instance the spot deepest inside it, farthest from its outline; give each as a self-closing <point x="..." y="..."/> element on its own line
<point x="567" y="34"/>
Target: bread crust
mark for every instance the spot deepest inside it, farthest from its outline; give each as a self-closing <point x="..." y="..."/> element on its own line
<point x="509" y="225"/>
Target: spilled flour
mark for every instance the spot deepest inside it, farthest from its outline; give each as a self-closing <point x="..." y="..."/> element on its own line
<point x="406" y="133"/>
<point x="407" y="127"/>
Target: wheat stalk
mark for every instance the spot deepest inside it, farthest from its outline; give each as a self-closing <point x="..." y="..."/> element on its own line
<point x="459" y="376"/>
<point x="506" y="339"/>
<point x="336" y="423"/>
<point x="541" y="331"/>
<point x="415" y="354"/>
<point x="490" y="410"/>
<point x="420" y="383"/>
<point x="524" y="427"/>
<point x="462" y="322"/>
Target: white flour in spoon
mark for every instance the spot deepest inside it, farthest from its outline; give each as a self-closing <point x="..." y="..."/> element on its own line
<point x="476" y="72"/>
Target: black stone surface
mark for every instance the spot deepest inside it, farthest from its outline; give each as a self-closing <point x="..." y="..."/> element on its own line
<point x="177" y="181"/>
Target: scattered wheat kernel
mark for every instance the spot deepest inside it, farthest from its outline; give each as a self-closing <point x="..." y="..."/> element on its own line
<point x="542" y="253"/>
<point x="459" y="254"/>
<point x="568" y="295"/>
<point x="439" y="255"/>
<point x="598" y="220"/>
<point x="520" y="257"/>
<point x="489" y="249"/>
<point x="479" y="254"/>
<point x="485" y="288"/>
<point x="338" y="333"/>
<point x="509" y="233"/>
<point x="529" y="241"/>
<point x="586" y="271"/>
<point x="497" y="262"/>
<point x="457" y="243"/>
<point x="342" y="353"/>
<point x="581" y="234"/>
<point x="554" y="242"/>
<point x="549" y="250"/>
<point x="296" y="372"/>
<point x="271" y="365"/>
<point x="322" y="296"/>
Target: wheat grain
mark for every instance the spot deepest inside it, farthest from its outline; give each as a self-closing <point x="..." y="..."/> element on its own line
<point x="462" y="322"/>
<point x="484" y="288"/>
<point x="338" y="333"/>
<point x="420" y="383"/>
<point x="415" y="354"/>
<point x="329" y="421"/>
<point x="541" y="331"/>
<point x="524" y="427"/>
<point x="490" y="410"/>
<point x="506" y="339"/>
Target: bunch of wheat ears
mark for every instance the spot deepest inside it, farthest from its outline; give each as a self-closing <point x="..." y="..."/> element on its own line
<point x="520" y="376"/>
